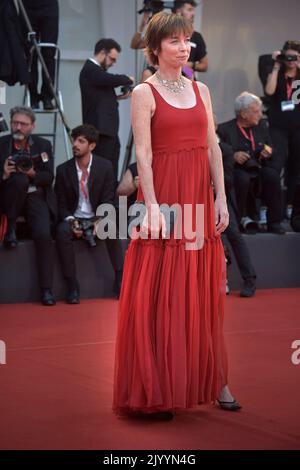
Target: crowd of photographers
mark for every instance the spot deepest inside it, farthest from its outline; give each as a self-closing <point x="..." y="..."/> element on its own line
<point x="257" y="151"/>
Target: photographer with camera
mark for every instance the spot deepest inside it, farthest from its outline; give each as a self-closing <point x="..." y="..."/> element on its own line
<point x="249" y="138"/>
<point x="284" y="112"/>
<point x="82" y="184"/>
<point x="198" y="61"/>
<point x="99" y="99"/>
<point x="137" y="41"/>
<point x="26" y="175"/>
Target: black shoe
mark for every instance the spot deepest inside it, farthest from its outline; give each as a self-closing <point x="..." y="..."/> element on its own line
<point x="73" y="297"/>
<point x="35" y="100"/>
<point x="118" y="283"/>
<point x="35" y="103"/>
<point x="10" y="239"/>
<point x="230" y="405"/>
<point x="48" y="105"/>
<point x="248" y="289"/>
<point x="276" y="228"/>
<point x="249" y="226"/>
<point x="47" y="298"/>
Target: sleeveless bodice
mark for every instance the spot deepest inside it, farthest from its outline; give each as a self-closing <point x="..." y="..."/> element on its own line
<point x="173" y="128"/>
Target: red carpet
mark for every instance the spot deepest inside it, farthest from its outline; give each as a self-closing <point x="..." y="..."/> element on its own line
<point x="56" y="385"/>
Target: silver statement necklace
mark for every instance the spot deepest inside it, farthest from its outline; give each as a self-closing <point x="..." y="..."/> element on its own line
<point x="174" y="86"/>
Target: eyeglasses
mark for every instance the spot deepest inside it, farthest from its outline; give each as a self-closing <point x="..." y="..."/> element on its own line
<point x="20" y="123"/>
<point x="113" y="59"/>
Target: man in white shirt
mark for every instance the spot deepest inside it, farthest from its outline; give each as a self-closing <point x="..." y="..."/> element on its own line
<point x="82" y="184"/>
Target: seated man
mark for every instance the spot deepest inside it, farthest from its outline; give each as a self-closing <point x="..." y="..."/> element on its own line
<point x="249" y="138"/>
<point x="82" y="184"/>
<point x="26" y="175"/>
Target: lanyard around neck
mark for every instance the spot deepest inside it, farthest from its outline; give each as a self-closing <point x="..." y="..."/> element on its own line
<point x="249" y="137"/>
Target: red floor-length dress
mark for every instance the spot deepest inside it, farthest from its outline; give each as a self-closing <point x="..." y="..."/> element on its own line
<point x="170" y="351"/>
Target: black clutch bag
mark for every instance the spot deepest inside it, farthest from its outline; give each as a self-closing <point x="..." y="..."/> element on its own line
<point x="138" y="211"/>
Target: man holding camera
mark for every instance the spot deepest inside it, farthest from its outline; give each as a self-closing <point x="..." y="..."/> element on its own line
<point x="82" y="184"/>
<point x="26" y="175"/>
<point x="99" y="99"/>
<point x="282" y="89"/>
<point x="249" y="138"/>
<point x="198" y="61"/>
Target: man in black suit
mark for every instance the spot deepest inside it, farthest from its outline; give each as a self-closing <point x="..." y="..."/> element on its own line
<point x="250" y="141"/>
<point x="26" y="188"/>
<point x="82" y="184"/>
<point x="99" y="99"/>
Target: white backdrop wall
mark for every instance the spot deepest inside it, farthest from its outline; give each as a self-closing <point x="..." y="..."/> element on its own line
<point x="236" y="33"/>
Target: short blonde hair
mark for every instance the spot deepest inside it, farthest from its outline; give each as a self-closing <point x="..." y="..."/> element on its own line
<point x="161" y="26"/>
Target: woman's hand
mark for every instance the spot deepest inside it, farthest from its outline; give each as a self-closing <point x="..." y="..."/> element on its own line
<point x="9" y="168"/>
<point x="221" y="215"/>
<point x="153" y="223"/>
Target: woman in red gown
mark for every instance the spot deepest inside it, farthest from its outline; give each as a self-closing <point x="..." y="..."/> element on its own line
<point x="170" y="351"/>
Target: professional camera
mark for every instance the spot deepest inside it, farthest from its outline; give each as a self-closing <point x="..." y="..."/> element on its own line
<point x="87" y="227"/>
<point x="286" y="58"/>
<point x="155" y="6"/>
<point x="255" y="162"/>
<point x="25" y="161"/>
<point x="127" y="89"/>
<point x="3" y="125"/>
<point x="252" y="165"/>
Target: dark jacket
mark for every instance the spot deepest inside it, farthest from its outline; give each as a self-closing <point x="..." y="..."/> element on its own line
<point x="44" y="170"/>
<point x="98" y="97"/>
<point x="101" y="186"/>
<point x="13" y="65"/>
<point x="230" y="134"/>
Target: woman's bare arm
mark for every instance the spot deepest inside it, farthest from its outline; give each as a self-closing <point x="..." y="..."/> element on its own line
<point x="142" y="108"/>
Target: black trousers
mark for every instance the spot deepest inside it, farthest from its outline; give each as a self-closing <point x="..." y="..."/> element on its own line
<point x="287" y="144"/>
<point x="295" y="219"/>
<point x="44" y="20"/>
<point x="238" y="244"/>
<point x="109" y="148"/>
<point x="16" y="201"/>
<point x="65" y="246"/>
<point x="266" y="186"/>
